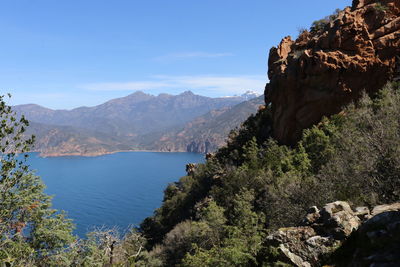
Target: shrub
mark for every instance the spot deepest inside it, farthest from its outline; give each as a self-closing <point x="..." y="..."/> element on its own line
<point x="319" y="25"/>
<point x="31" y="232"/>
<point x="255" y="184"/>
<point x="380" y="7"/>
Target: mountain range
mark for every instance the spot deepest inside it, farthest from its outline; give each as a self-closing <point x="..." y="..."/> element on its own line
<point x="139" y="121"/>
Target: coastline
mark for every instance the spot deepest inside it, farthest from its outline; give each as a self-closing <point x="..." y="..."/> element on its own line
<point x="98" y="154"/>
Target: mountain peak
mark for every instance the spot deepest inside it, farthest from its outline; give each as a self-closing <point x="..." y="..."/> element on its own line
<point x="249" y="94"/>
<point x="138" y="93"/>
<point x="187" y="93"/>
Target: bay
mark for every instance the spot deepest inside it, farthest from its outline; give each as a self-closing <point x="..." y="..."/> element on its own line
<point x="119" y="189"/>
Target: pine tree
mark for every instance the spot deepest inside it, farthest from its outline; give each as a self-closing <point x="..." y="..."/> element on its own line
<point x="31" y="232"/>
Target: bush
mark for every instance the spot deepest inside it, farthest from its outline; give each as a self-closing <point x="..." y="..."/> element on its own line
<point x="380" y="7"/>
<point x="31" y="233"/>
<point x="319" y="25"/>
<point x="255" y="185"/>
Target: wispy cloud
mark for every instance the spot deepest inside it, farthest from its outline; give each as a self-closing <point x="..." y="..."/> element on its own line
<point x="125" y="86"/>
<point x="206" y="84"/>
<point x="191" y="55"/>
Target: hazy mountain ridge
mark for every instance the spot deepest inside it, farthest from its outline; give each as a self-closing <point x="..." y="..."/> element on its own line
<point x="205" y="133"/>
<point x="53" y="140"/>
<point x="138" y="121"/>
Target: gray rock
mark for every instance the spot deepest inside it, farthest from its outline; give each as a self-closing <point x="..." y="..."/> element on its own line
<point x="384" y="208"/>
<point x="339" y="219"/>
<point x="312" y="216"/>
<point x="376" y="242"/>
<point x="362" y="213"/>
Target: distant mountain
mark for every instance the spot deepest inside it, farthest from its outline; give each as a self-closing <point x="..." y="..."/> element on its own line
<point x="250" y="95"/>
<point x="205" y="133"/>
<point x="135" y="114"/>
<point x="135" y="122"/>
<point x="52" y="140"/>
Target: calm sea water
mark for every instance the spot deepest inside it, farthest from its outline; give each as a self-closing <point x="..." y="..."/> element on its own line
<point x="111" y="190"/>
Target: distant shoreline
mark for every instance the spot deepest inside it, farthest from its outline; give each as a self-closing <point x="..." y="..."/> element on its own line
<point x="97" y="154"/>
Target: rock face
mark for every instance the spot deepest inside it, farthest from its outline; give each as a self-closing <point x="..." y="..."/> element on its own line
<point x="341" y="236"/>
<point x="376" y="243"/>
<point x="315" y="75"/>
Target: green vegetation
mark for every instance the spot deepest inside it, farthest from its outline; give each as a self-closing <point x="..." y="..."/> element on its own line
<point x="380" y="7"/>
<point x="31" y="232"/>
<point x="220" y="214"/>
<point x="319" y="25"/>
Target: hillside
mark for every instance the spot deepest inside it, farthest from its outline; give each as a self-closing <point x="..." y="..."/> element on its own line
<point x="330" y="132"/>
<point x="54" y="140"/>
<point x="205" y="133"/>
<point x="138" y="122"/>
<point x="135" y="114"/>
<point x="311" y="179"/>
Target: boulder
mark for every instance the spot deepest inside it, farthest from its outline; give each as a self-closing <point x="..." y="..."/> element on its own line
<point x="300" y="246"/>
<point x="362" y="213"/>
<point x="339" y="219"/>
<point x="375" y="243"/>
<point x="340" y="236"/>
<point x="383" y="208"/>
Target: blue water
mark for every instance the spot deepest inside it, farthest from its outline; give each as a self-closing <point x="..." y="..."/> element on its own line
<point x="111" y="190"/>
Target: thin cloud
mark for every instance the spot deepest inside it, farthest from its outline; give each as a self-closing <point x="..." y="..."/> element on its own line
<point x="125" y="86"/>
<point x="191" y="55"/>
<point x="207" y="84"/>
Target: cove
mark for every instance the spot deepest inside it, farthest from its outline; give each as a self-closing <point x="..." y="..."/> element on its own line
<point x="119" y="189"/>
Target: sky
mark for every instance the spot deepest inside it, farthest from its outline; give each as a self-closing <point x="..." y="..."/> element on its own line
<point x="69" y="53"/>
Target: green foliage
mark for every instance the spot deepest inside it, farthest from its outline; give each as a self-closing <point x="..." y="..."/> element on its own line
<point x="232" y="254"/>
<point x="219" y="214"/>
<point x="317" y="142"/>
<point x="34" y="234"/>
<point x="380" y="7"/>
<point x="366" y="169"/>
<point x="31" y="232"/>
<point x="242" y="238"/>
<point x="178" y="206"/>
<point x="255" y="184"/>
<point x="319" y="25"/>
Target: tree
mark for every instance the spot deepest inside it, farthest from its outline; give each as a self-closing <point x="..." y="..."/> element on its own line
<point x="31" y="232"/>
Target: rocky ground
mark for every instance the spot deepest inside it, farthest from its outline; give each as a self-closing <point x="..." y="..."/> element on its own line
<point x="339" y="235"/>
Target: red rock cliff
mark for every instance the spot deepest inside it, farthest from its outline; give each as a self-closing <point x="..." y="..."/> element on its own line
<point x="325" y="69"/>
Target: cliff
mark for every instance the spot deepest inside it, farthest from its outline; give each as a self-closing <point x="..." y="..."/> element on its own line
<point x="355" y="50"/>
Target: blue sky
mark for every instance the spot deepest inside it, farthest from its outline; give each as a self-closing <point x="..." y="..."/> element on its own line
<point x="70" y="53"/>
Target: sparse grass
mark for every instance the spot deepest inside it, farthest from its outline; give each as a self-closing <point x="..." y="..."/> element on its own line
<point x="301" y="30"/>
<point x="298" y="53"/>
<point x="320" y="25"/>
<point x="380" y="7"/>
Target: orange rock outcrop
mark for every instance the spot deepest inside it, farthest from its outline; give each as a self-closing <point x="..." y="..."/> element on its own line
<point x="323" y="70"/>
